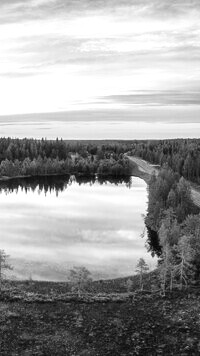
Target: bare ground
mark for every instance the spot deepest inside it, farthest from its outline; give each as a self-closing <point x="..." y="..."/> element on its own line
<point x="141" y="325"/>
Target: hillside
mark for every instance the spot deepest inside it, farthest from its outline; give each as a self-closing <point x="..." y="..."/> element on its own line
<point x="140" y="324"/>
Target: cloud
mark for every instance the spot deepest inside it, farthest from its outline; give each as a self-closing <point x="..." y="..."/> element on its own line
<point x="157" y="98"/>
<point x="89" y="120"/>
<point x="50" y="8"/>
<point x="57" y="54"/>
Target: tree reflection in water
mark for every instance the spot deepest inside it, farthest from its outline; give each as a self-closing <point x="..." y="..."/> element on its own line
<point x="50" y="184"/>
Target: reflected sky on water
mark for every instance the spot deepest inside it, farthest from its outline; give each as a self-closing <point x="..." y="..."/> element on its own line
<point x="96" y="225"/>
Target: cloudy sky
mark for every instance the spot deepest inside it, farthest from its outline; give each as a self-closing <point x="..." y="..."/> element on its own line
<point x="112" y="66"/>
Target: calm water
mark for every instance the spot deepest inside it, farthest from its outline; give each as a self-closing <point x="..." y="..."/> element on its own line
<point x="49" y="226"/>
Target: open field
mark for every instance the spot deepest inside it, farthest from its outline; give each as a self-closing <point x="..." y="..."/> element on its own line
<point x="148" y="169"/>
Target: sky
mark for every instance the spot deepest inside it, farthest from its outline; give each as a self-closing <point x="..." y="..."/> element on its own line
<point x="100" y="69"/>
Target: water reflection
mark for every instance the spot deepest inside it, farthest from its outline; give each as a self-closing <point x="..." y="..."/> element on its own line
<point x="48" y="225"/>
<point x="152" y="242"/>
<point x="55" y="183"/>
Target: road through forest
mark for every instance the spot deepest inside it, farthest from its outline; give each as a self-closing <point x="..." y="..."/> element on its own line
<point x="148" y="169"/>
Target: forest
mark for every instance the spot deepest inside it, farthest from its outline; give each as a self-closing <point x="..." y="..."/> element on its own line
<point x="29" y="157"/>
<point x="182" y="155"/>
<point x="172" y="220"/>
<point x="43" y="157"/>
<point x="175" y="219"/>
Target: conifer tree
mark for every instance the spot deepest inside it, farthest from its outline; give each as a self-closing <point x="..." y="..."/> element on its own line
<point x="141" y="268"/>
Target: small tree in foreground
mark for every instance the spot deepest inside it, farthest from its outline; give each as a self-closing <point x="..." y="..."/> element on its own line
<point x="141" y="268"/>
<point x="3" y="265"/>
<point x="129" y="285"/>
<point x="79" y="278"/>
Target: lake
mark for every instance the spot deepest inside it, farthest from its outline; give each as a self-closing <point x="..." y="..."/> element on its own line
<point x="50" y="225"/>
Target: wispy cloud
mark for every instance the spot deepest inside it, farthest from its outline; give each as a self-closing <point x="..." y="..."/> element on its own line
<point x="57" y="54"/>
<point x="157" y="98"/>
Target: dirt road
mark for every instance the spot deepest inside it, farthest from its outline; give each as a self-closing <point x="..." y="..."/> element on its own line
<point x="149" y="169"/>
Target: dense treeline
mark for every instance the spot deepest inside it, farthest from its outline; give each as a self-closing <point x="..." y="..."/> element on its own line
<point x="168" y="192"/>
<point x="29" y="157"/>
<point x="173" y="221"/>
<point x="46" y="166"/>
<point x="182" y="155"/>
<point x="172" y="214"/>
<point x="20" y="149"/>
<point x="105" y="157"/>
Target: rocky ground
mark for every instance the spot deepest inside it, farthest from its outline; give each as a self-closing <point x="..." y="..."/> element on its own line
<point x="33" y="322"/>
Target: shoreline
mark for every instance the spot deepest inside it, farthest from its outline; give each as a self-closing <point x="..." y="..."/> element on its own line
<point x="95" y="175"/>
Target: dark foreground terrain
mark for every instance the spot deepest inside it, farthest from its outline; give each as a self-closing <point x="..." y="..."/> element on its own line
<point x="57" y="323"/>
